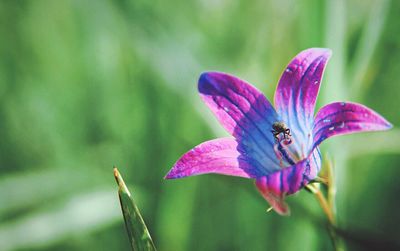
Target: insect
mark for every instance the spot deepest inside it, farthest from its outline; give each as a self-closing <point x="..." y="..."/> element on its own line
<point x="278" y="128"/>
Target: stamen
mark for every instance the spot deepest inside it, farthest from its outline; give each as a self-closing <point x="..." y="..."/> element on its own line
<point x="283" y="154"/>
<point x="279" y="156"/>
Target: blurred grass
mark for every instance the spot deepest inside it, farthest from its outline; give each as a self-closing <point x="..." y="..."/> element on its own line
<point x="86" y="85"/>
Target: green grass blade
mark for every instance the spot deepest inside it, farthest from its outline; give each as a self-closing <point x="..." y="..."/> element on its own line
<point x="138" y="234"/>
<point x="369" y="41"/>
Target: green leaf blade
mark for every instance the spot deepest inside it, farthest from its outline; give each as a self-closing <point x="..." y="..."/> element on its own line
<point x="138" y="233"/>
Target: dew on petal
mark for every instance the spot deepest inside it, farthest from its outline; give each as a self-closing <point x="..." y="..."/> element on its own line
<point x="326" y="120"/>
<point x="342" y="103"/>
<point x="288" y="70"/>
<point x="341" y="125"/>
<point x="315" y="82"/>
<point x="226" y="109"/>
<point x="331" y="128"/>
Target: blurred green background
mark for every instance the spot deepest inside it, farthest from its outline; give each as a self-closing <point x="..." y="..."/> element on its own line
<point x="85" y="85"/>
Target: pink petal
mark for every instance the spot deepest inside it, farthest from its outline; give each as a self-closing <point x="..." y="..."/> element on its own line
<point x="245" y="113"/>
<point x="343" y="118"/>
<point x="215" y="156"/>
<point x="297" y="92"/>
<point x="277" y="201"/>
<point x="276" y="186"/>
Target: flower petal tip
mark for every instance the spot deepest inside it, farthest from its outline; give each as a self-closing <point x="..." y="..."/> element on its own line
<point x="388" y="125"/>
<point x="280" y="206"/>
<point x="325" y="53"/>
<point x="282" y="209"/>
<point x="204" y="75"/>
<point x="274" y="198"/>
<point x="172" y="174"/>
<point x="210" y="81"/>
<point x="168" y="176"/>
<point x="204" y="81"/>
<point x="383" y="122"/>
<point x="284" y="213"/>
<point x="322" y="51"/>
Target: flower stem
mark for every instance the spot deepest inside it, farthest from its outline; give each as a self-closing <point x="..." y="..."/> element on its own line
<point x="327" y="206"/>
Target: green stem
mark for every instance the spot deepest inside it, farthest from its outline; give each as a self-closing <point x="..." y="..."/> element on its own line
<point x="328" y="208"/>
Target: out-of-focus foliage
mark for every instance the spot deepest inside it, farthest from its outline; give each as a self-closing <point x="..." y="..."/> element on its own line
<point x="85" y="85"/>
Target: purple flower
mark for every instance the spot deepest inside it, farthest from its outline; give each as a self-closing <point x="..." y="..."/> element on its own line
<point x="278" y="147"/>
